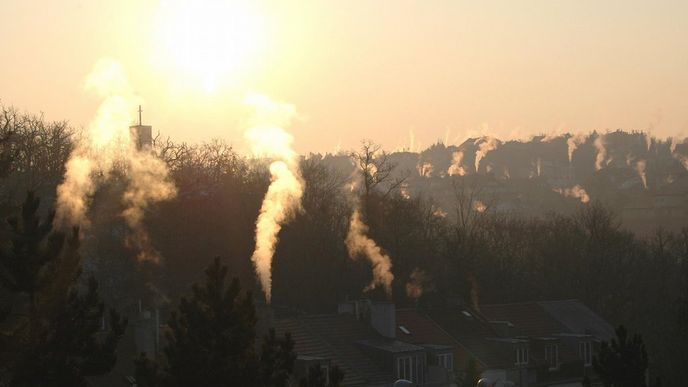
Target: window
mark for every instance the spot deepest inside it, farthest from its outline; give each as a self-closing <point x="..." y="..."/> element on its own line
<point x="446" y="360"/>
<point x="521" y="355"/>
<point x="410" y="368"/>
<point x="326" y="371"/>
<point x="552" y="355"/>
<point x="405" y="368"/>
<point x="585" y="352"/>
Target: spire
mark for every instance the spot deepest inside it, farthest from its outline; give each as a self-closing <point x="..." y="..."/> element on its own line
<point x="140" y="111"/>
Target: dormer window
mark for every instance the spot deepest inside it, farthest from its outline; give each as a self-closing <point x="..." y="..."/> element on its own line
<point x="585" y="352"/>
<point x="552" y="355"/>
<point x="521" y="355"/>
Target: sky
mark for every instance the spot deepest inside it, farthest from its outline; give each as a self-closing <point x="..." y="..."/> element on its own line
<point x="401" y="73"/>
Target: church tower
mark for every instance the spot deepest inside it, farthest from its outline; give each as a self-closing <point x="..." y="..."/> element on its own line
<point x="142" y="135"/>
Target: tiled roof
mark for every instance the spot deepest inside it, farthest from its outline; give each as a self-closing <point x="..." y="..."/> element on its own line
<point x="422" y="330"/>
<point x="529" y="318"/>
<point x="473" y="334"/>
<point x="335" y="337"/>
<point x="578" y="318"/>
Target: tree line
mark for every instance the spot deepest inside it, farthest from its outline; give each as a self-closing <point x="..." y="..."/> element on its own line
<point x="471" y="251"/>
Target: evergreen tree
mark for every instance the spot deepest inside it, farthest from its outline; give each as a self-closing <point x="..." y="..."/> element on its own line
<point x="59" y="341"/>
<point x="276" y="360"/>
<point x="74" y="346"/>
<point x="211" y="341"/>
<point x="622" y="362"/>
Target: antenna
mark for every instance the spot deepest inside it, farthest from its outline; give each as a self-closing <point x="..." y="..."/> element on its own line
<point x="140" y="111"/>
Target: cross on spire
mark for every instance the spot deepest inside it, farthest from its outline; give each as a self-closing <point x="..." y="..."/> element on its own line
<point x="140" y="111"/>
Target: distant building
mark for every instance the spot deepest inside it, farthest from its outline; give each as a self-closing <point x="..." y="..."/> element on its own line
<point x="141" y="135"/>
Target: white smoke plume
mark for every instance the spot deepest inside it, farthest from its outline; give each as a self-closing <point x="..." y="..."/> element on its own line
<point x="425" y="169"/>
<point x="486" y="145"/>
<point x="479" y="206"/>
<point x="456" y="168"/>
<point x="417" y="284"/>
<point x="404" y="190"/>
<point x="549" y="137"/>
<point x="282" y="201"/>
<point x="648" y="141"/>
<point x="601" y="158"/>
<point x="576" y="192"/>
<point x="572" y="143"/>
<point x="640" y="167"/>
<point x="359" y="243"/>
<point x="105" y="145"/>
<point x="148" y="183"/>
<point x="682" y="158"/>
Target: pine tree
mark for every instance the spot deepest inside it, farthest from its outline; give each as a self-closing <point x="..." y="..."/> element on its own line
<point x="58" y="342"/>
<point x="276" y="359"/>
<point x="74" y="345"/>
<point x="211" y="341"/>
<point x="622" y="362"/>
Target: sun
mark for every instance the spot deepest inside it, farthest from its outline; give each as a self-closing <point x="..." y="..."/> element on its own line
<point x="207" y="42"/>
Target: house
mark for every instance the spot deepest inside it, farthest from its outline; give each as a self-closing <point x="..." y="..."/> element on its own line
<point x="366" y="342"/>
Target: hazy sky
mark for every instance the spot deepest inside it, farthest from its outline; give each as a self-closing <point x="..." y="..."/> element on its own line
<point x="360" y="69"/>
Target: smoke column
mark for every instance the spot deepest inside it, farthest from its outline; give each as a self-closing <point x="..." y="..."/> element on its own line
<point x="601" y="153"/>
<point x="572" y="143"/>
<point x="358" y="243"/>
<point x="640" y="166"/>
<point x="648" y="141"/>
<point x="456" y="168"/>
<point x="416" y="284"/>
<point x="148" y="183"/>
<point x="487" y="144"/>
<point x="576" y="192"/>
<point x="105" y="146"/>
<point x="425" y="169"/>
<point x="282" y="201"/>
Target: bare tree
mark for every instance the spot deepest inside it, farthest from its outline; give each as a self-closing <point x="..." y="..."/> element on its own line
<point x="376" y="170"/>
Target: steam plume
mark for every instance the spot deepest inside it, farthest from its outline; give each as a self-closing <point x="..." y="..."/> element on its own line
<point x="425" y="169"/>
<point x="283" y="198"/>
<point x="358" y="243"/>
<point x="648" y="141"/>
<point x="672" y="145"/>
<point x="479" y="206"/>
<point x="572" y="143"/>
<point x="105" y="146"/>
<point x="456" y="168"/>
<point x="640" y="166"/>
<point x="601" y="157"/>
<point x="574" y="192"/>
<point x="487" y="144"/>
<point x="417" y="283"/>
<point x="148" y="184"/>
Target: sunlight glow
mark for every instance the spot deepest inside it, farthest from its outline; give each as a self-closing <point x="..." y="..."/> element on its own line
<point x="207" y="42"/>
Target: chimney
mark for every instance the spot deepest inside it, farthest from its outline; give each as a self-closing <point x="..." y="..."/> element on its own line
<point x="383" y="318"/>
